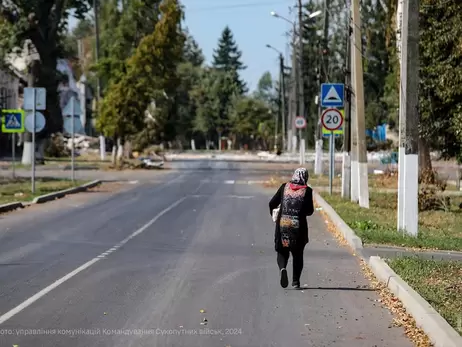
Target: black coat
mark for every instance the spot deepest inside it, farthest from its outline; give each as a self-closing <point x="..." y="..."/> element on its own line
<point x="307" y="210"/>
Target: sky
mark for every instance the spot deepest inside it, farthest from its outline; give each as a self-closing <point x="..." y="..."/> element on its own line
<point x="253" y="28"/>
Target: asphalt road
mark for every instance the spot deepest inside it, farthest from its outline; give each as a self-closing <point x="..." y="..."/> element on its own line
<point x="137" y="268"/>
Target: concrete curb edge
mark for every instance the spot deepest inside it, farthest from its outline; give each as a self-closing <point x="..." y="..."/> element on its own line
<point x="10" y="206"/>
<point x="426" y="317"/>
<point x="60" y="194"/>
<point x="349" y="235"/>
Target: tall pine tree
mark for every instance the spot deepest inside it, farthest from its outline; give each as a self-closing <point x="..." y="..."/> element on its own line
<point x="227" y="58"/>
<point x="192" y="52"/>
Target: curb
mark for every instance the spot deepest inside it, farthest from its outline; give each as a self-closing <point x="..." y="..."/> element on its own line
<point x="48" y="197"/>
<point x="58" y="195"/>
<point x="426" y="317"/>
<point x="10" y="206"/>
<point x="348" y="234"/>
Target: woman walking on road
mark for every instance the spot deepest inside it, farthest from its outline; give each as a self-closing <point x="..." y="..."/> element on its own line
<point x="295" y="202"/>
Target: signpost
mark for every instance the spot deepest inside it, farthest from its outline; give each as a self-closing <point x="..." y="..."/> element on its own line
<point x="34" y="100"/>
<point x="72" y="112"/>
<point x="300" y="123"/>
<point x="332" y="120"/>
<point x="13" y="122"/>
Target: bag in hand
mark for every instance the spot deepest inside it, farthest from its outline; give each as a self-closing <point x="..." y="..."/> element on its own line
<point x="275" y="213"/>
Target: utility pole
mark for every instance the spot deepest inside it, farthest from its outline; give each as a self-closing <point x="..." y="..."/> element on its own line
<point x="282" y="90"/>
<point x="358" y="86"/>
<point x="346" y="164"/>
<point x="318" y="165"/>
<point x="402" y="120"/>
<point x="294" y="92"/>
<point x="354" y="191"/>
<point x="301" y="90"/>
<point x="102" y="140"/>
<point x="409" y="102"/>
<point x="323" y="71"/>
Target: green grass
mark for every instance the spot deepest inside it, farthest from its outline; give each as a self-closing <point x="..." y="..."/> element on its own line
<point x="378" y="225"/>
<point x="438" y="282"/>
<point x="375" y="181"/>
<point x="20" y="189"/>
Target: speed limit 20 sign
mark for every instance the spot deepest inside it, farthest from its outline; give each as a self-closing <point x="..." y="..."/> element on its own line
<point x="332" y="119"/>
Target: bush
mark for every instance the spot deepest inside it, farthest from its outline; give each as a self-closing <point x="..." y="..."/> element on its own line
<point x="430" y="197"/>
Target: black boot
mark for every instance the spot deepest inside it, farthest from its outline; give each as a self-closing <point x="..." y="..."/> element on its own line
<point x="296" y="284"/>
<point x="284" y="278"/>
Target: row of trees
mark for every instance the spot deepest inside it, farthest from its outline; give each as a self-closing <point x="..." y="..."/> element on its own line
<point x="440" y="73"/>
<point x="157" y="89"/>
<point x="155" y="85"/>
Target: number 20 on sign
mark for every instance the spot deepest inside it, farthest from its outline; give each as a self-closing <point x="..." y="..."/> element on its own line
<point x="332" y="119"/>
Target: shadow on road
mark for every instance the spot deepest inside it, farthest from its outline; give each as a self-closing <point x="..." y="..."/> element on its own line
<point x="337" y="288"/>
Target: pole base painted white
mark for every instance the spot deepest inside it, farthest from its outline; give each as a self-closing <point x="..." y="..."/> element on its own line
<point x="193" y="145"/>
<point x="354" y="181"/>
<point x="401" y="175"/>
<point x="363" y="185"/>
<point x="411" y="194"/>
<point x="318" y="158"/>
<point x="120" y="150"/>
<point x="302" y="152"/>
<point x="294" y="144"/>
<point x="289" y="140"/>
<point x="27" y="154"/>
<point x="102" y="147"/>
<point x="346" y="175"/>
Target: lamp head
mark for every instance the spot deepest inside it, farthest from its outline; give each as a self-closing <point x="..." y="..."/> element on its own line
<point x="315" y="14"/>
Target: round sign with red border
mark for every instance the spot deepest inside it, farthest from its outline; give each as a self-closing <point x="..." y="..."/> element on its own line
<point x="332" y="119"/>
<point x="300" y="122"/>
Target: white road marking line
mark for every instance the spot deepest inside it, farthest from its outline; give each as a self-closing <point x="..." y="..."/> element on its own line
<point x="222" y="196"/>
<point x="229" y="182"/>
<point x="85" y="266"/>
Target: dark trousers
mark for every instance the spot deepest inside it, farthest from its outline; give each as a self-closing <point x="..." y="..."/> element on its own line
<point x="297" y="259"/>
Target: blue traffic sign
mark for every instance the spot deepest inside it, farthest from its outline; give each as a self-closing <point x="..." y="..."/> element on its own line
<point x="332" y="94"/>
<point x="12" y="121"/>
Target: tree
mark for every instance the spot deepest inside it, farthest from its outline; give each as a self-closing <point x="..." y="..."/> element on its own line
<point x="376" y="62"/>
<point x="213" y="98"/>
<point x="192" y="52"/>
<point x="227" y="58"/>
<point x="252" y="123"/>
<point x="44" y="22"/>
<point x="441" y="76"/>
<point x="122" y="30"/>
<point x="265" y="89"/>
<point x="151" y="74"/>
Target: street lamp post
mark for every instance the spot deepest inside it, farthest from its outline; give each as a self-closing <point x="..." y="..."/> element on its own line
<point x="282" y="96"/>
<point x="297" y="67"/>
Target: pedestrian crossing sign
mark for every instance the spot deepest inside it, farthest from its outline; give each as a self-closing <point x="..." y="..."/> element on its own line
<point x="13" y="121"/>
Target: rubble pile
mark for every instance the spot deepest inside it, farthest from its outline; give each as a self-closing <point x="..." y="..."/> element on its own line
<point x="82" y="142"/>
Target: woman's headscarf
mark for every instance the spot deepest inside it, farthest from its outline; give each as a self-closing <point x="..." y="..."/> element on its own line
<point x="300" y="177"/>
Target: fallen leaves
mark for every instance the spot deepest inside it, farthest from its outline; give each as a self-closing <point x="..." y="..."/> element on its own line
<point x="331" y="227"/>
<point x="387" y="298"/>
<point x="395" y="306"/>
